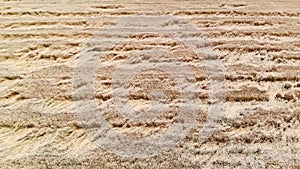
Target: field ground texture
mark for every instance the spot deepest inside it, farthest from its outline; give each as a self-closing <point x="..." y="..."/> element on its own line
<point x="258" y="43"/>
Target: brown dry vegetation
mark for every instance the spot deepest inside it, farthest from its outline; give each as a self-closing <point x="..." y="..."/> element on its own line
<point x="258" y="43"/>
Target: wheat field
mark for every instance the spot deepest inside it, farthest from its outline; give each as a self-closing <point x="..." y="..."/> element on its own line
<point x="256" y="42"/>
